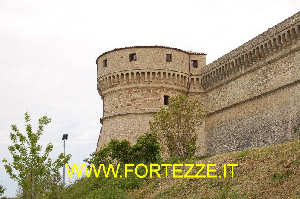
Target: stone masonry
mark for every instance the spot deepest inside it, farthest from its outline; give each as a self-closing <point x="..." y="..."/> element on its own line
<point x="252" y="94"/>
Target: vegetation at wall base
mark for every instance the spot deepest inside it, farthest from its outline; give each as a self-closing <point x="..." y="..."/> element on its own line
<point x="146" y="150"/>
<point x="265" y="172"/>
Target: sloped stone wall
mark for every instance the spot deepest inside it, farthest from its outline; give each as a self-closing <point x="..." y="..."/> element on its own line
<point x="268" y="119"/>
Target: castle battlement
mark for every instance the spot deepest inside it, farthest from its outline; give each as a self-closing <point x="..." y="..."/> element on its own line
<point x="251" y="94"/>
<point x="242" y="59"/>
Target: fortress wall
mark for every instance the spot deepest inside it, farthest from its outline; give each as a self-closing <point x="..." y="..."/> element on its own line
<point x="268" y="119"/>
<point x="129" y="127"/>
<point x="251" y="93"/>
<point x="127" y="112"/>
<point x="272" y="73"/>
<point x="245" y="58"/>
<point x="260" y="107"/>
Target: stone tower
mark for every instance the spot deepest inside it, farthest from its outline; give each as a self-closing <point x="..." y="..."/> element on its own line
<point x="135" y="82"/>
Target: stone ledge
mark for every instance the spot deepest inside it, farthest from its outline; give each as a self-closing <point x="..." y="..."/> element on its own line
<point x="127" y="113"/>
<point x="141" y="85"/>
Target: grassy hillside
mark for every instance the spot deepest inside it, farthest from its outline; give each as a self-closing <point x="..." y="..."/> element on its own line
<point x="267" y="172"/>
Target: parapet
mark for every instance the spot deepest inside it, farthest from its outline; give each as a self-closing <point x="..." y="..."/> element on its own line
<point x="244" y="58"/>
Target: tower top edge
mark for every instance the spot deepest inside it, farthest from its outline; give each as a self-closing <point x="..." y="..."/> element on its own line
<point x="165" y="47"/>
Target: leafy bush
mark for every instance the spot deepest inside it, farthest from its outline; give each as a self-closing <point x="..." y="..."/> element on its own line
<point x="146" y="150"/>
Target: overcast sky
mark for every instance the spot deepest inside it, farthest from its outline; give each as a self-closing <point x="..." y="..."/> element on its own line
<point x="48" y="51"/>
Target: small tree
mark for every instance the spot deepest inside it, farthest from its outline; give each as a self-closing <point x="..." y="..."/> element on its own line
<point x="1" y="190"/>
<point x="36" y="174"/>
<point x="175" y="126"/>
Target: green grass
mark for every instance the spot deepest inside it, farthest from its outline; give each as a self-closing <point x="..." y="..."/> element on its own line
<point x="266" y="172"/>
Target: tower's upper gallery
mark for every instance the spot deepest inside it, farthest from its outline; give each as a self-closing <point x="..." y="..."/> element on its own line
<point x="149" y="58"/>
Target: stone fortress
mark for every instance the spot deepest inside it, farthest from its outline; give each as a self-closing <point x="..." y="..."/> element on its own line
<point x="252" y="94"/>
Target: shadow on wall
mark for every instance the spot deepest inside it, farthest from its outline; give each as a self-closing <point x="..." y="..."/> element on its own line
<point x="295" y="127"/>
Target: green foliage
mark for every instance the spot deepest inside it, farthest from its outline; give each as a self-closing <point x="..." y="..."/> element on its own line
<point x="114" y="150"/>
<point x="120" y="150"/>
<point x="1" y="190"/>
<point x="175" y="126"/>
<point x="36" y="174"/>
<point x="146" y="150"/>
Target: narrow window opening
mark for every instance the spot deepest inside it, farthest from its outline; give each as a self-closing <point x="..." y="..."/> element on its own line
<point x="195" y="63"/>
<point x="166" y="99"/>
<point x="132" y="57"/>
<point x="105" y="63"/>
<point x="168" y="57"/>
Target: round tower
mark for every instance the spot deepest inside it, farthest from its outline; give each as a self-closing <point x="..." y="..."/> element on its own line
<point x="135" y="82"/>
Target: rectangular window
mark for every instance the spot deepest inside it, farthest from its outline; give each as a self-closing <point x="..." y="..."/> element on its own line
<point x="195" y="63"/>
<point x="105" y="63"/>
<point x="132" y="57"/>
<point x="166" y="99"/>
<point x="168" y="57"/>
